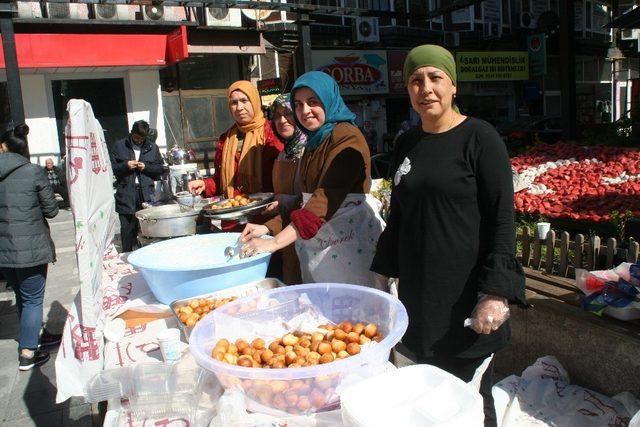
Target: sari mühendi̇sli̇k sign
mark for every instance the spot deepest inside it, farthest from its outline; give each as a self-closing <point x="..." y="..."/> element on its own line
<point x="358" y="72"/>
<point x="486" y="66"/>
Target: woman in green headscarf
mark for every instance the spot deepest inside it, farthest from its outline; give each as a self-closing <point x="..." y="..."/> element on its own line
<point x="450" y="238"/>
<point x="337" y="224"/>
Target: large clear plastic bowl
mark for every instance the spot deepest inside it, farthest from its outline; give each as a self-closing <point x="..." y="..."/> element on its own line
<point x="186" y="267"/>
<point x="319" y="385"/>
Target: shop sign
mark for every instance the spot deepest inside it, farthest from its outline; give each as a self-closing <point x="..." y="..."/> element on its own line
<point x="487" y="66"/>
<point x="396" y="64"/>
<point x="537" y="46"/>
<point x="269" y="90"/>
<point x="358" y="72"/>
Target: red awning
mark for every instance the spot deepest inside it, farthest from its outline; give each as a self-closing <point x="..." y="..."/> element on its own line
<point x="99" y="50"/>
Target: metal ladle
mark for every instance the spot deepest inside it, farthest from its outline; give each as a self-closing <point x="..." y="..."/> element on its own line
<point x="232" y="251"/>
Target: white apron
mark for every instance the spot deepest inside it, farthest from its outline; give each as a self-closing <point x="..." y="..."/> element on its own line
<point x="344" y="247"/>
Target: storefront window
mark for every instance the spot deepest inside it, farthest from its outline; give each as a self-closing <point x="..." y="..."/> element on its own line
<point x="209" y="72"/>
<point x="172" y="120"/>
<point x="198" y="113"/>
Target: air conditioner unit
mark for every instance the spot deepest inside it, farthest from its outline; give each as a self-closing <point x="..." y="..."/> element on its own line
<point x="115" y="12"/>
<point x="222" y="17"/>
<point x="29" y="9"/>
<point x="490" y="31"/>
<point x="67" y="11"/>
<point x="451" y="39"/>
<point x="366" y="29"/>
<point x="629" y="34"/>
<point x="153" y="12"/>
<point x="526" y="20"/>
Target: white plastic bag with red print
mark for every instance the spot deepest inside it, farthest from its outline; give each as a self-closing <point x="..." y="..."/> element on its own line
<point x="90" y="182"/>
<point x="343" y="249"/>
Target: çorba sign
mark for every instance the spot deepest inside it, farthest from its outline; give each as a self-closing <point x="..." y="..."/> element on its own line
<point x="358" y="72"/>
<point x="485" y="66"/>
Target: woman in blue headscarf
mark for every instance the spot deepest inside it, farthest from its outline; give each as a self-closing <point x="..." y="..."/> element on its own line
<point x="337" y="225"/>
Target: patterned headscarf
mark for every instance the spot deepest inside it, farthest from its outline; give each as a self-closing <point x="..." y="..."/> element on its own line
<point x="294" y="147"/>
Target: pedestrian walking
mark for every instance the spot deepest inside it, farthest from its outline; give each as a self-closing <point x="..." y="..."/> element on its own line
<point x="136" y="164"/>
<point x="57" y="180"/>
<point x="26" y="248"/>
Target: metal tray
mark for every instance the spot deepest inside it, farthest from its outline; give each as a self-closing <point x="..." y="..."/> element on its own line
<point x="236" y="291"/>
<point x="264" y="198"/>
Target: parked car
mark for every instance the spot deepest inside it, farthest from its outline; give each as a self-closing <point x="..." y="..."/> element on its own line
<point x="527" y="130"/>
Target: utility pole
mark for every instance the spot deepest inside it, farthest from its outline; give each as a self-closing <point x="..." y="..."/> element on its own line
<point x="14" y="90"/>
<point x="568" y="69"/>
<point x="303" y="52"/>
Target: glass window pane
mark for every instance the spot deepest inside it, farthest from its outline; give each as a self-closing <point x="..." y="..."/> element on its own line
<point x="197" y="114"/>
<point x="222" y="117"/>
<point x="605" y="71"/>
<point x="172" y="121"/>
<point x="590" y="69"/>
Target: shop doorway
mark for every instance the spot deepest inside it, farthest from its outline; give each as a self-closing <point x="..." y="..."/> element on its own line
<point x="107" y="98"/>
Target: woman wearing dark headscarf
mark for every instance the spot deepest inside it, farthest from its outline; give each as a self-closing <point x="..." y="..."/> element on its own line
<point x="451" y="233"/>
<point x="336" y="228"/>
<point x="286" y="181"/>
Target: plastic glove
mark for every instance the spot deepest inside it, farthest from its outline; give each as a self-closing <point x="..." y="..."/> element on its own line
<point x="380" y="282"/>
<point x="489" y="314"/>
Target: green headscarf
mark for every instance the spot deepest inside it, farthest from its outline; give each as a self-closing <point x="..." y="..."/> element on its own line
<point x="430" y="55"/>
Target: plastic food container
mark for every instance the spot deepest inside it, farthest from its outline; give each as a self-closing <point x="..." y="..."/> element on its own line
<point x="195" y="265"/>
<point x="422" y="395"/>
<point x="236" y="291"/>
<point x="306" y="389"/>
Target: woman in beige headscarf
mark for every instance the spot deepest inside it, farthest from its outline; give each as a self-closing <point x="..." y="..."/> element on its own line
<point x="245" y="153"/>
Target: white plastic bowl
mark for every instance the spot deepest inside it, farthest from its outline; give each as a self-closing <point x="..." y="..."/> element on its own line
<point x="337" y="302"/>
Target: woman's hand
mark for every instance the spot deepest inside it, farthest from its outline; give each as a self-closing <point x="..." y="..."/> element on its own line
<point x="257" y="246"/>
<point x="489" y="314"/>
<point x="271" y="209"/>
<point x="252" y="231"/>
<point x="196" y="186"/>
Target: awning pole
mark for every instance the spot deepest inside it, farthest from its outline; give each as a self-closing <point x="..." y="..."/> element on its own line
<point x="14" y="90"/>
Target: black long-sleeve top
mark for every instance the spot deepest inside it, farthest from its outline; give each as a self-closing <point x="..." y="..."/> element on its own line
<point x="450" y="235"/>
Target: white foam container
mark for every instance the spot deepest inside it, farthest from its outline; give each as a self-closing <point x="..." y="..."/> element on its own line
<point x="418" y="395"/>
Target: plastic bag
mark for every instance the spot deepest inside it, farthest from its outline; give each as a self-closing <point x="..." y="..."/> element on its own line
<point x="488" y="312"/>
<point x="611" y="289"/>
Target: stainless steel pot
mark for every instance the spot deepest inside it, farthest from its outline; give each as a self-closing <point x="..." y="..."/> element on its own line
<point x="167" y="221"/>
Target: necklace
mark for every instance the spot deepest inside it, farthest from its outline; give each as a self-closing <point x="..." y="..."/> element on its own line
<point x="453" y="119"/>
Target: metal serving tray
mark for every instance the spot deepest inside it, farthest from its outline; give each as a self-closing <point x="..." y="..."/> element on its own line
<point x="236" y="291"/>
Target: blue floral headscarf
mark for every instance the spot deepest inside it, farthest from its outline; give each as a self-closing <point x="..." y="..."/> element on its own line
<point x="294" y="147"/>
<point x="328" y="92"/>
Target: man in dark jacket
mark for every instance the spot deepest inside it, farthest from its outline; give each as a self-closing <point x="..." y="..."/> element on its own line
<point x="26" y="248"/>
<point x="136" y="163"/>
<point x="57" y="180"/>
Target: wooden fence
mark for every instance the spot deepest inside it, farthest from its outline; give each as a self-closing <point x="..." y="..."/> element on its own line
<point x="562" y="256"/>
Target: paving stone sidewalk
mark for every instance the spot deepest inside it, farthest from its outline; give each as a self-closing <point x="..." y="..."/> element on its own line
<point x="28" y="398"/>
